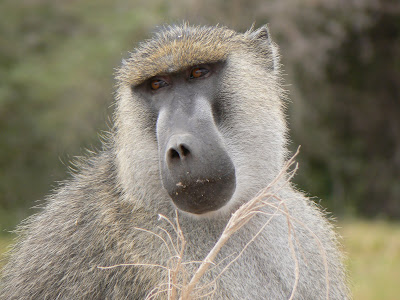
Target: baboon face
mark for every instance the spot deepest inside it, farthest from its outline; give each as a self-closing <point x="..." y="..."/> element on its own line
<point x="199" y="118"/>
<point x="195" y="168"/>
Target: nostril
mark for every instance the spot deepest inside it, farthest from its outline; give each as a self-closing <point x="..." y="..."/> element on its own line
<point x="173" y="154"/>
<point x="178" y="152"/>
<point x="184" y="150"/>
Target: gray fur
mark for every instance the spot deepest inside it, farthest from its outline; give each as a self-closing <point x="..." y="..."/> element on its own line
<point x="92" y="219"/>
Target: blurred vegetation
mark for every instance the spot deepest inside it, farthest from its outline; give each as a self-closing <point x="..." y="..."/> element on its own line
<point x="341" y="57"/>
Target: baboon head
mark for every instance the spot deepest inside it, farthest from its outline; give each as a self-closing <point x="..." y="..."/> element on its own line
<point x="199" y="120"/>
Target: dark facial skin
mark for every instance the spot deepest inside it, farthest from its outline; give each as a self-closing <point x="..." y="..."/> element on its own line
<point x="196" y="170"/>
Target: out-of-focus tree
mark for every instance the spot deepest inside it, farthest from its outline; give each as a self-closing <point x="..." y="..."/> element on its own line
<point x="56" y="65"/>
<point x="363" y="84"/>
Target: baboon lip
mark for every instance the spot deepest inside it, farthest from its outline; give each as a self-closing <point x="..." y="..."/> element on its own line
<point x="203" y="195"/>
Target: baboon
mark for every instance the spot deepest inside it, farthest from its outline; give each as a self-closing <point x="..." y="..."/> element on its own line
<point x="199" y="129"/>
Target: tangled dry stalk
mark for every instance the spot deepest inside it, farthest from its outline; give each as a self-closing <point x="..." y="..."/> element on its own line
<point x="178" y="285"/>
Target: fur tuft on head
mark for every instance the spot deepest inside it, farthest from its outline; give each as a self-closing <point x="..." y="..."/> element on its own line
<point x="176" y="47"/>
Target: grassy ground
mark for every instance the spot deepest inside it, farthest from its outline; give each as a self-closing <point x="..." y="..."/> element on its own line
<point x="5" y="241"/>
<point x="373" y="250"/>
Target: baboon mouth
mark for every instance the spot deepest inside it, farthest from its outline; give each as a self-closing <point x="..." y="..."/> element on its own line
<point x="203" y="195"/>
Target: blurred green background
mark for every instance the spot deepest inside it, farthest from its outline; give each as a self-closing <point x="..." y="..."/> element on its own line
<point x="342" y="68"/>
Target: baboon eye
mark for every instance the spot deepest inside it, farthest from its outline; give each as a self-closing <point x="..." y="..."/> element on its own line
<point x="155" y="84"/>
<point x="198" y="72"/>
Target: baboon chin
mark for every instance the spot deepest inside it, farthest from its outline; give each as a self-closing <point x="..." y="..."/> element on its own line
<point x="199" y="129"/>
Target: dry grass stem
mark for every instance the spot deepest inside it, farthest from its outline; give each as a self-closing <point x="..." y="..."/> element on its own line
<point x="317" y="240"/>
<point x="240" y="218"/>
<point x="178" y="285"/>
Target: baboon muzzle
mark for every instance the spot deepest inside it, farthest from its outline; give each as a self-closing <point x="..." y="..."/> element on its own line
<point x="198" y="174"/>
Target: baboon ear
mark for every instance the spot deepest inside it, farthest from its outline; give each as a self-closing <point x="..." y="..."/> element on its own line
<point x="262" y="38"/>
<point x="261" y="33"/>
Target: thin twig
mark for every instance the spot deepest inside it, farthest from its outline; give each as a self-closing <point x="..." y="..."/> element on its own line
<point x="238" y="219"/>
<point x="320" y="246"/>
<point x="132" y="264"/>
<point x="157" y="235"/>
